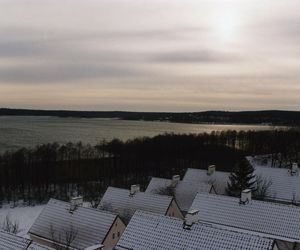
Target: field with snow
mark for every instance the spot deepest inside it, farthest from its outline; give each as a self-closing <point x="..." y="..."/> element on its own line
<point x="24" y="216"/>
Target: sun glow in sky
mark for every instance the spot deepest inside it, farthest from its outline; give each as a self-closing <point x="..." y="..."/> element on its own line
<point x="150" y="55"/>
<point x="226" y="28"/>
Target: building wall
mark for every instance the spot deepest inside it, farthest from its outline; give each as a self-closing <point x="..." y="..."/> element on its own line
<point x="284" y="245"/>
<point x="110" y="241"/>
<point x="114" y="234"/>
<point x="174" y="210"/>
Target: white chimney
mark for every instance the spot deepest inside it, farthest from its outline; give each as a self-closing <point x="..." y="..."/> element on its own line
<point x="295" y="168"/>
<point x="191" y="217"/>
<point x="134" y="189"/>
<point x="211" y="169"/>
<point x="175" y="180"/>
<point x="246" y="196"/>
<point x="76" y="202"/>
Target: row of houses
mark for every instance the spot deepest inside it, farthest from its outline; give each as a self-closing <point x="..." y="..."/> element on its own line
<point x="187" y="213"/>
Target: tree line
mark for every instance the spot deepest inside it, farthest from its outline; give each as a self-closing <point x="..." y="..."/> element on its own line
<point x="274" y="117"/>
<point x="33" y="175"/>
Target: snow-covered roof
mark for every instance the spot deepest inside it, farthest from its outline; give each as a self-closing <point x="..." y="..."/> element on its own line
<point x="90" y="226"/>
<point x="184" y="191"/>
<point x="274" y="220"/>
<point x="153" y="231"/>
<point x="284" y="186"/>
<point x="120" y="201"/>
<point x="9" y="241"/>
<point x="218" y="179"/>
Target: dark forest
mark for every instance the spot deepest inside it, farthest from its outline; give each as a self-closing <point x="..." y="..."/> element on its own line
<point x="272" y="117"/>
<point x="60" y="171"/>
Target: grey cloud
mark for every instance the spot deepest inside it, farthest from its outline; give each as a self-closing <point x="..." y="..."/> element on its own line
<point x="203" y="56"/>
<point x="22" y="49"/>
<point x="59" y="73"/>
<point x="277" y="29"/>
<point x="12" y="33"/>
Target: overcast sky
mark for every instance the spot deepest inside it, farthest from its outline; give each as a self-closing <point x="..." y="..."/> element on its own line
<point x="150" y="55"/>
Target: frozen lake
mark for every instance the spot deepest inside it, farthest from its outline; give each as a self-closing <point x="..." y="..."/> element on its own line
<point x="27" y="131"/>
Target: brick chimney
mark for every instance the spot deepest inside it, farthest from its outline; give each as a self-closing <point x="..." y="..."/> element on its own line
<point x="191" y="218"/>
<point x="175" y="180"/>
<point x="134" y="189"/>
<point x="76" y="202"/>
<point x="295" y="168"/>
<point x="211" y="169"/>
<point x="246" y="196"/>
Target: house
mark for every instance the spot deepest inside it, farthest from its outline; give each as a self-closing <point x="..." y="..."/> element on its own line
<point x="183" y="191"/>
<point x="218" y="179"/>
<point x="68" y="224"/>
<point x="9" y="241"/>
<point x="283" y="184"/>
<point x="273" y="220"/>
<point x="153" y="231"/>
<point x="125" y="202"/>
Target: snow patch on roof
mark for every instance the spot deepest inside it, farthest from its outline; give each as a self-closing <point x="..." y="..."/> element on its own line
<point x="153" y="231"/>
<point x="265" y="218"/>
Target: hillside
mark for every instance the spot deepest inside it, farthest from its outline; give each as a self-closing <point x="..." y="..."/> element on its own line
<point x="273" y="117"/>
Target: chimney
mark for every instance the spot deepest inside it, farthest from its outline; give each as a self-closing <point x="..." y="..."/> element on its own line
<point x="191" y="218"/>
<point x="211" y="169"/>
<point x="295" y="168"/>
<point x="175" y="180"/>
<point x="76" y="202"/>
<point x="134" y="189"/>
<point x="246" y="196"/>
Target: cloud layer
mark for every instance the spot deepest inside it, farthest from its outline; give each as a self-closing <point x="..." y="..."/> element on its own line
<point x="150" y="56"/>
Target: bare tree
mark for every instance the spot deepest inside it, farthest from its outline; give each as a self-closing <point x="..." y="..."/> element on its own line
<point x="10" y="226"/>
<point x="262" y="187"/>
<point x="63" y="240"/>
<point x="126" y="215"/>
<point x="167" y="190"/>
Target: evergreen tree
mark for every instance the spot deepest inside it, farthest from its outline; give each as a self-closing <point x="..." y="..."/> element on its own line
<point x="241" y="178"/>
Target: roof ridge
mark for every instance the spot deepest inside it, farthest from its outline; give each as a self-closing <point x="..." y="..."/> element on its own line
<point x="156" y="215"/>
<point x="81" y="207"/>
<point x="255" y="201"/>
<point x="144" y="193"/>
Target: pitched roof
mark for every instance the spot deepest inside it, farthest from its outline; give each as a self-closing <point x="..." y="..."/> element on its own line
<point x="9" y="241"/>
<point x="184" y="191"/>
<point x="120" y="201"/>
<point x="218" y="179"/>
<point x="284" y="186"/>
<point x="153" y="231"/>
<point x="89" y="225"/>
<point x="269" y="219"/>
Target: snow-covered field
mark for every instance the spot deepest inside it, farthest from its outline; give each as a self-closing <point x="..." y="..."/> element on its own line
<point x="266" y="161"/>
<point x="24" y="216"/>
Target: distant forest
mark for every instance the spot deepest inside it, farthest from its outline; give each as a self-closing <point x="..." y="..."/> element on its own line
<point x="52" y="170"/>
<point x="220" y="117"/>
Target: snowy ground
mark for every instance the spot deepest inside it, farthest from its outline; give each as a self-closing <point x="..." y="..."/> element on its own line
<point x="25" y="216"/>
<point x="265" y="161"/>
